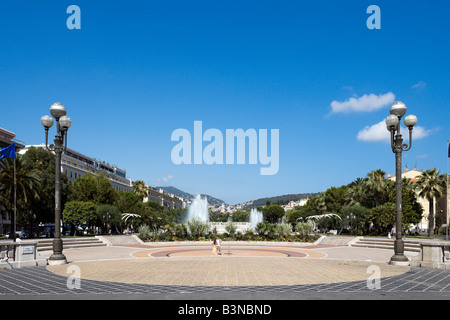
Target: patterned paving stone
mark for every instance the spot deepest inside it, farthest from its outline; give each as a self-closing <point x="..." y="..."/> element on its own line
<point x="123" y="271"/>
<point x="40" y="281"/>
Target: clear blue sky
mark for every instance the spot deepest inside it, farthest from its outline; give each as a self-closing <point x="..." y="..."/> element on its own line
<point x="138" y="70"/>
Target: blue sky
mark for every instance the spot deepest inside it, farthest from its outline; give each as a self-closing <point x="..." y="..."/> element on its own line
<point x="138" y="70"/>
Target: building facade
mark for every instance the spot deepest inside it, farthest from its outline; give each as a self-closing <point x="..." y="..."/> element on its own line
<point x="165" y="199"/>
<point x="75" y="164"/>
<point x="6" y="139"/>
<point x="440" y="204"/>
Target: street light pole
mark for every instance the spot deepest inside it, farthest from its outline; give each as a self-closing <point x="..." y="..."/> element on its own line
<point x="398" y="110"/>
<point x="62" y="126"/>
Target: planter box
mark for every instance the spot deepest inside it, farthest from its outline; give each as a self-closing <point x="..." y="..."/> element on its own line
<point x="434" y="255"/>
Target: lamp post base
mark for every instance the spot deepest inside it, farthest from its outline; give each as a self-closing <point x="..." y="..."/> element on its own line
<point x="399" y="260"/>
<point x="57" y="259"/>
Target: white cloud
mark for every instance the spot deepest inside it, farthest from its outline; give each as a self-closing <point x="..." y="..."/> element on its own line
<point x="379" y="133"/>
<point x="419" y="85"/>
<point x="376" y="132"/>
<point x="164" y="179"/>
<point x="366" y="103"/>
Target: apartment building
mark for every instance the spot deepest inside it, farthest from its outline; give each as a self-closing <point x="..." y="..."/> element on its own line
<point x="75" y="164"/>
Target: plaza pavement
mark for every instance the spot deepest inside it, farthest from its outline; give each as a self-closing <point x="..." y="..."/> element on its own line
<point x="243" y="271"/>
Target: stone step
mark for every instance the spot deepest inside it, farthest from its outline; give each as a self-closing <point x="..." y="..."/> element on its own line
<point x="47" y="244"/>
<point x="409" y="245"/>
<point x="118" y="240"/>
<point x="66" y="246"/>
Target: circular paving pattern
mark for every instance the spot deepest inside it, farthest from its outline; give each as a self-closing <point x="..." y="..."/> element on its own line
<point x="239" y="265"/>
<point x="230" y="251"/>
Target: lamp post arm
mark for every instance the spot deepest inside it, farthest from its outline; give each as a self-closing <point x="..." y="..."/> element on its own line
<point x="64" y="139"/>
<point x="405" y="146"/>
<point x="46" y="138"/>
<point x="392" y="140"/>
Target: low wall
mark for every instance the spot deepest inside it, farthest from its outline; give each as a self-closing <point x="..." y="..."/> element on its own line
<point x="434" y="255"/>
<point x="23" y="254"/>
<point x="220" y="226"/>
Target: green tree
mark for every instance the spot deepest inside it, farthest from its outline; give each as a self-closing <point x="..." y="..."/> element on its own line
<point x="140" y="189"/>
<point x="316" y="205"/>
<point x="382" y="218"/>
<point x="304" y="228"/>
<point x="218" y="216"/>
<point x="231" y="228"/>
<point x="240" y="216"/>
<point x="106" y="194"/>
<point x="266" y="229"/>
<point x="97" y="189"/>
<point x="283" y="230"/>
<point x="299" y="214"/>
<point x="273" y="213"/>
<point x="79" y="212"/>
<point x="26" y="184"/>
<point x="336" y="198"/>
<point x="411" y="209"/>
<point x="109" y="217"/>
<point x="155" y="216"/>
<point x="377" y="185"/>
<point x="198" y="228"/>
<point x="129" y="202"/>
<point x="431" y="185"/>
<point x="355" y="218"/>
<point x="43" y="163"/>
<point x="357" y="192"/>
<point x="178" y="215"/>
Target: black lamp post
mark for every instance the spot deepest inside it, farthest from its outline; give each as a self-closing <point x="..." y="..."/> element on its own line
<point x="63" y="124"/>
<point x="398" y="110"/>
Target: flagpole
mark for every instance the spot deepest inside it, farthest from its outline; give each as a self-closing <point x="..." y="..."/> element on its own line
<point x="15" y="196"/>
<point x="10" y="152"/>
<point x="448" y="156"/>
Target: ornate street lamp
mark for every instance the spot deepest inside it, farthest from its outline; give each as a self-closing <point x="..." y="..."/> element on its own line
<point x="398" y="110"/>
<point x="63" y="124"/>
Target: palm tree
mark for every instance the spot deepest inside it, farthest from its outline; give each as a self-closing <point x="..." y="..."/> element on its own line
<point x="140" y="189"/>
<point x="431" y="185"/>
<point x="27" y="183"/>
<point x="318" y="203"/>
<point x="357" y="191"/>
<point x="377" y="184"/>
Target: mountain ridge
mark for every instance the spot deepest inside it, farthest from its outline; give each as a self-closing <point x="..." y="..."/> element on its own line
<point x="280" y="199"/>
<point x="185" y="195"/>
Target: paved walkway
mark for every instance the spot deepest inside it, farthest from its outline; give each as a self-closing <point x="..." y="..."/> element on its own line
<point x="177" y="271"/>
<point x="239" y="265"/>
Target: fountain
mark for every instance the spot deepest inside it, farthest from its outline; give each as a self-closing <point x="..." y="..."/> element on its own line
<point x="255" y="218"/>
<point x="198" y="210"/>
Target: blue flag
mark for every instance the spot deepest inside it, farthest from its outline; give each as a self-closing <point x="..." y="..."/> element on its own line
<point x="8" y="152"/>
<point x="449" y="150"/>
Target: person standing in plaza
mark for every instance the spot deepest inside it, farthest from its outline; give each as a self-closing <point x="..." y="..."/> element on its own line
<point x="214" y="249"/>
<point x="219" y="244"/>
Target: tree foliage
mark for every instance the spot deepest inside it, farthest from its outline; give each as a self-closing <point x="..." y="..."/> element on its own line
<point x="273" y="213"/>
<point x="94" y="188"/>
<point x="79" y="212"/>
<point x="431" y="185"/>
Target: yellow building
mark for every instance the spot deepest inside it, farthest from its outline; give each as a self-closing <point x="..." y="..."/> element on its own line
<point x="439" y="204"/>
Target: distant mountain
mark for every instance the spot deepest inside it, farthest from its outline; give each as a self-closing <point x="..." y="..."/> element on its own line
<point x="185" y="195"/>
<point x="284" y="199"/>
<point x="176" y="192"/>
